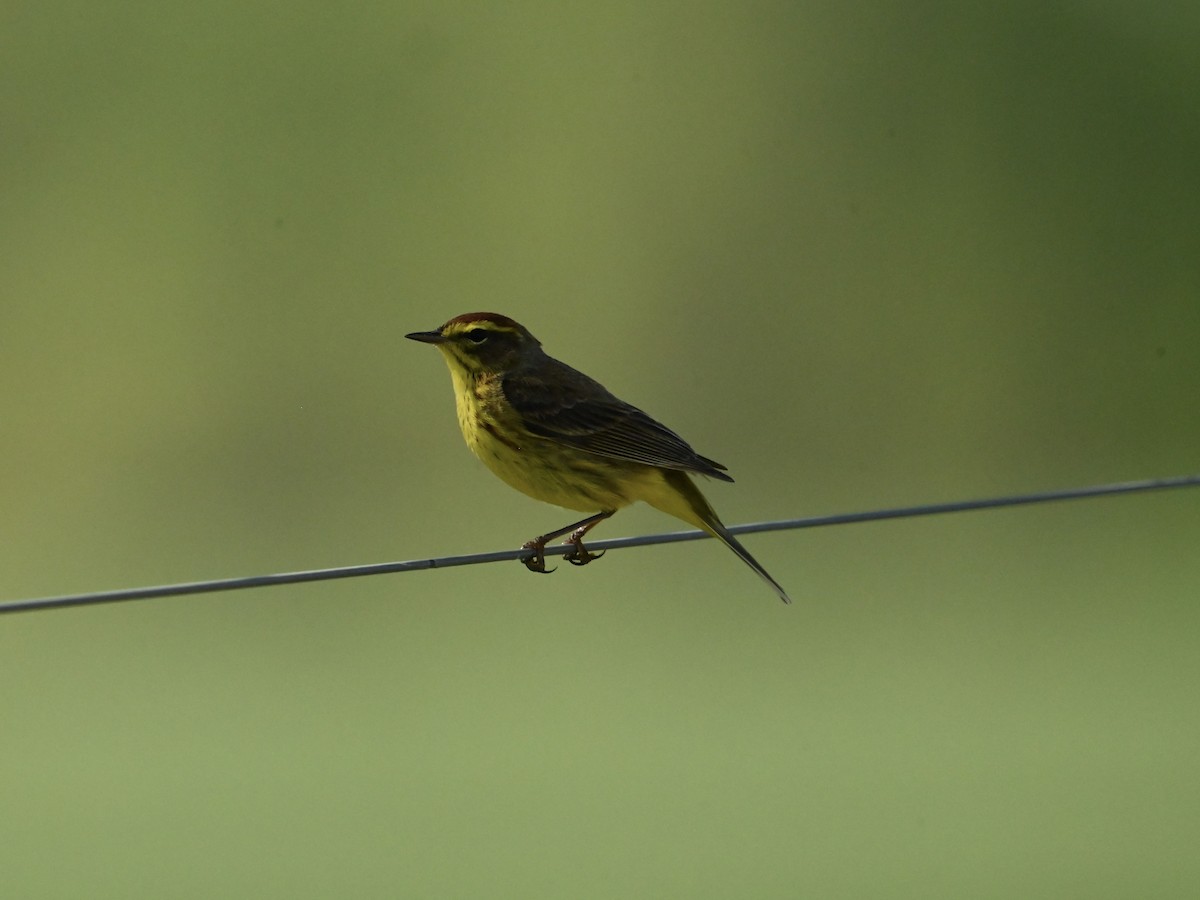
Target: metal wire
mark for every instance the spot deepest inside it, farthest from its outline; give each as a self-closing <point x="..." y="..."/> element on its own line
<point x="445" y="562"/>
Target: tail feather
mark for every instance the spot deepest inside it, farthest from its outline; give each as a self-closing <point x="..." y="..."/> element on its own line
<point x="687" y="503"/>
<point x="720" y="531"/>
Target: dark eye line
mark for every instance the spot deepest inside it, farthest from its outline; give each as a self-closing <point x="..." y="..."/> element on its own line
<point x="477" y="335"/>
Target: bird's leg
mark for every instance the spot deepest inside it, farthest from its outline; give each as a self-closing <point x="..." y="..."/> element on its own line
<point x="581" y="556"/>
<point x="536" y="561"/>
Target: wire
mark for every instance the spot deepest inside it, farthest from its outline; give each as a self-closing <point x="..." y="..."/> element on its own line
<point x="445" y="562"/>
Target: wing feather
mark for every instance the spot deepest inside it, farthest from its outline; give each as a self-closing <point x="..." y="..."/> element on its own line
<point x="565" y="406"/>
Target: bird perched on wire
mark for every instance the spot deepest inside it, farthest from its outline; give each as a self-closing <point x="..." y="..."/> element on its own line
<point x="561" y="437"/>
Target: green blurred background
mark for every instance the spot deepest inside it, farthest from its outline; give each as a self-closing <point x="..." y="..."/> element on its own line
<point x="865" y="255"/>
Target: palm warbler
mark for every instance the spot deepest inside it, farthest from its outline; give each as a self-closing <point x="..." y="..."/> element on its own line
<point x="561" y="437"/>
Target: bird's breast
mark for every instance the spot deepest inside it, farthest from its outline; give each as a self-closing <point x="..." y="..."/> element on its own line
<point x="545" y="470"/>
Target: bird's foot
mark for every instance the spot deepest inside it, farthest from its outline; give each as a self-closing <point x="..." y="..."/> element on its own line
<point x="581" y="555"/>
<point x="536" y="561"/>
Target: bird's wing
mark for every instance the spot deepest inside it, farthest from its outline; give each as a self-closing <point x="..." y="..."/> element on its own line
<point x="569" y="408"/>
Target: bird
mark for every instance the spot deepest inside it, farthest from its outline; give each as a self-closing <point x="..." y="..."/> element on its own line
<point x="561" y="437"/>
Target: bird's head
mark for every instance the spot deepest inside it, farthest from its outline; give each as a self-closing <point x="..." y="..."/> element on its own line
<point x="482" y="343"/>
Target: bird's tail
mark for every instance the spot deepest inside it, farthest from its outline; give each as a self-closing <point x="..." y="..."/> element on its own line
<point x="717" y="529"/>
<point x="697" y="510"/>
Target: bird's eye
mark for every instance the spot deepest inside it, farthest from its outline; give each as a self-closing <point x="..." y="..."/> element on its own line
<point x="477" y="335"/>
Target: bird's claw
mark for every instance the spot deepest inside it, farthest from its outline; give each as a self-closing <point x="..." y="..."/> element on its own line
<point x="581" y="555"/>
<point x="536" y="561"/>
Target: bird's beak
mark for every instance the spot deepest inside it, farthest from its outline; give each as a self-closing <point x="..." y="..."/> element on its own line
<point x="427" y="337"/>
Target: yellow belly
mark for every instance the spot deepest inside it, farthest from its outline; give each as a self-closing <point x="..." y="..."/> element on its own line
<point x="555" y="473"/>
<point x="549" y="472"/>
